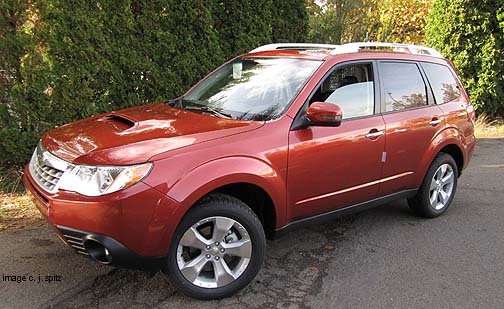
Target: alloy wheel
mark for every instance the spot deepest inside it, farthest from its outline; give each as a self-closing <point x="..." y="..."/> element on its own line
<point x="214" y="252"/>
<point x="441" y="187"/>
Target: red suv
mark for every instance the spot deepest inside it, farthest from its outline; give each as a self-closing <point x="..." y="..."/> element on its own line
<point x="282" y="136"/>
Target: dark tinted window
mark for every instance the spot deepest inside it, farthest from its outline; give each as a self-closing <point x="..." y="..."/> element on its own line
<point x="442" y="82"/>
<point x="403" y="86"/>
<point x="351" y="87"/>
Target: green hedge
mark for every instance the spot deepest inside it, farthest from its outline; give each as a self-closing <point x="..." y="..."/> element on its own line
<point x="65" y="60"/>
<point x="471" y="34"/>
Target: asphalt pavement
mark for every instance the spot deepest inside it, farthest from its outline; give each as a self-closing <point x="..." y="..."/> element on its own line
<point x="381" y="258"/>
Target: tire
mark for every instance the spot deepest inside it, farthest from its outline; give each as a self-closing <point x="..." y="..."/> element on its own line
<point x="197" y="266"/>
<point x="438" y="188"/>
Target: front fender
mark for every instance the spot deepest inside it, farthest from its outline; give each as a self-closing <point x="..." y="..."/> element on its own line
<point x="229" y="170"/>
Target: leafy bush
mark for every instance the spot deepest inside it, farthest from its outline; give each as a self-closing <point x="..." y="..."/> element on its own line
<point x="471" y="34"/>
<point x="242" y="25"/>
<point x="342" y="21"/>
<point x="289" y="21"/>
<point x="64" y="60"/>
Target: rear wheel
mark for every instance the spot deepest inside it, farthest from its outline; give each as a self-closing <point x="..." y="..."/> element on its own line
<point x="438" y="188"/>
<point x="217" y="249"/>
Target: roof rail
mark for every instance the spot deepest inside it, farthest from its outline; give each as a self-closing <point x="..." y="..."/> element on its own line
<point x="294" y="46"/>
<point x="354" y="47"/>
<point x="377" y="46"/>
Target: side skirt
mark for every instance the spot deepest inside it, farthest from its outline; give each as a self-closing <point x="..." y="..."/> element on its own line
<point x="328" y="216"/>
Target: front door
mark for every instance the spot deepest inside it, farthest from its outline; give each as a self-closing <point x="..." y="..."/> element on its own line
<point x="333" y="167"/>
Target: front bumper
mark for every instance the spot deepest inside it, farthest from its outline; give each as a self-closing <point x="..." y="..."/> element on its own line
<point x="135" y="225"/>
<point x="107" y="250"/>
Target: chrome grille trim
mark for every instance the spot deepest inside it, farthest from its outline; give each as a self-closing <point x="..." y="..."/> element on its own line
<point x="78" y="248"/>
<point x="74" y="238"/>
<point x="47" y="169"/>
<point x="76" y="243"/>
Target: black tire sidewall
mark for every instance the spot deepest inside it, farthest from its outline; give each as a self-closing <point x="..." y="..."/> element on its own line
<point x="230" y="208"/>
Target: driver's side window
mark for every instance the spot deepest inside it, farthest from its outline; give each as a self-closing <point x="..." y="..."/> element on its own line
<point x="351" y="87"/>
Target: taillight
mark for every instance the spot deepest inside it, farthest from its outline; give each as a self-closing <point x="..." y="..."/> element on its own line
<point x="471" y="112"/>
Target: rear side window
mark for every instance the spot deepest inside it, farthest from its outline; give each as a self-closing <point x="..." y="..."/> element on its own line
<point x="442" y="82"/>
<point x="403" y="86"/>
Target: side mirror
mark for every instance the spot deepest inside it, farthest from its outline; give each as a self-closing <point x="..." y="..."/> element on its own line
<point x="324" y="114"/>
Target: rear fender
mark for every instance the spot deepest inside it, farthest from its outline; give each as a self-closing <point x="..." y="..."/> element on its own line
<point x="449" y="136"/>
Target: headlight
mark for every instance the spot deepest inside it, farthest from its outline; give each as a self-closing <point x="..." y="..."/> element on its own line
<point x="100" y="180"/>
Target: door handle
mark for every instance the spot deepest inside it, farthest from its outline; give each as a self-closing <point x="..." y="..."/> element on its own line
<point x="373" y="135"/>
<point x="434" y="122"/>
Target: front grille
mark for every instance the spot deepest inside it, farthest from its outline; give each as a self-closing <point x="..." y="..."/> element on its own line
<point x="74" y="239"/>
<point x="47" y="169"/>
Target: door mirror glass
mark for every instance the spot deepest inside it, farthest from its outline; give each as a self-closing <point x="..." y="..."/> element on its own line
<point x="324" y="114"/>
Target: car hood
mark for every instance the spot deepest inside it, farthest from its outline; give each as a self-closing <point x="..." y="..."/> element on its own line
<point x="136" y="134"/>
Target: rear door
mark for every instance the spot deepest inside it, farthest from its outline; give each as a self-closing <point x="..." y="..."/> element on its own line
<point x="412" y="121"/>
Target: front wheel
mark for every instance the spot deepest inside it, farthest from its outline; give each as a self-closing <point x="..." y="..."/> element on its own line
<point x="217" y="249"/>
<point x="438" y="188"/>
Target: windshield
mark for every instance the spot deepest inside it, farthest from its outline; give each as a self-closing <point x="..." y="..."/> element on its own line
<point x="250" y="88"/>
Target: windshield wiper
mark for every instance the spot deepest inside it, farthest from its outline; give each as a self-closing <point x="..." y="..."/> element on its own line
<point x="209" y="110"/>
<point x="176" y="103"/>
<point x="190" y="105"/>
<point x="203" y="108"/>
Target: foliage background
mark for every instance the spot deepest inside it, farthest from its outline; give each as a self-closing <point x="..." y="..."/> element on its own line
<point x="343" y="21"/>
<point x="468" y="32"/>
<point x="471" y="34"/>
<point x="61" y="60"/>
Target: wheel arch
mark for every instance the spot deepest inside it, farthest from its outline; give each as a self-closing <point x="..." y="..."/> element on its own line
<point x="256" y="198"/>
<point x="449" y="141"/>
<point x="456" y="153"/>
<point x="251" y="180"/>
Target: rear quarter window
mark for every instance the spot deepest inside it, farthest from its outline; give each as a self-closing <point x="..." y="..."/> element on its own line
<point x="443" y="83"/>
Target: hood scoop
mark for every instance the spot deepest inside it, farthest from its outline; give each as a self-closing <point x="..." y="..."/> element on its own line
<point x="137" y="134"/>
<point x="121" y="122"/>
